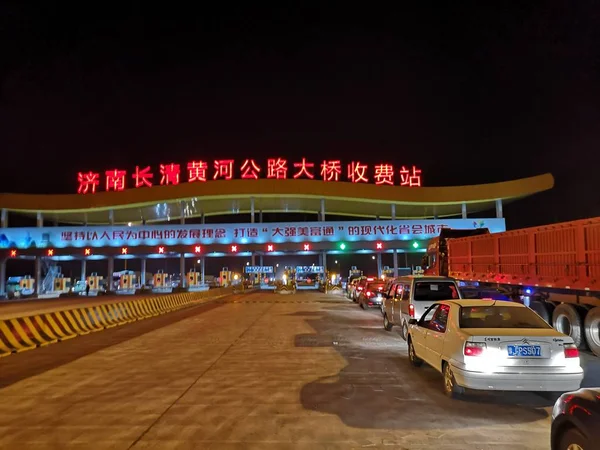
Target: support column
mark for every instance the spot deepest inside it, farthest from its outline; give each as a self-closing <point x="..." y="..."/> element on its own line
<point x="499" y="209"/>
<point x="261" y="264"/>
<point x="202" y="269"/>
<point x="111" y="270"/>
<point x="464" y="210"/>
<point x="251" y="209"/>
<point x="322" y="216"/>
<point x="38" y="275"/>
<point x="182" y="211"/>
<point x="182" y="270"/>
<point x="83" y="269"/>
<point x="3" y="224"/>
<point x="393" y="211"/>
<point x="379" y="273"/>
<point x="111" y="217"/>
<point x="2" y="277"/>
<point x="38" y="259"/>
<point x="260" y="218"/>
<point x="143" y="273"/>
<point x="435" y="216"/>
<point x="4" y="218"/>
<point x="395" y="256"/>
<point x="325" y="262"/>
<point x="202" y="219"/>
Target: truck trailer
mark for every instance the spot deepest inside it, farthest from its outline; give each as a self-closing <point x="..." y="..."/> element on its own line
<point x="553" y="269"/>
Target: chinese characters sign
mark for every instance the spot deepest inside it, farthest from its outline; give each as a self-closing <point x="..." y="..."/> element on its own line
<point x="258" y="269"/>
<point x="227" y="169"/>
<point x="261" y="233"/>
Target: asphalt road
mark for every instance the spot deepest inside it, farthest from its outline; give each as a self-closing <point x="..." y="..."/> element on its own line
<point x="304" y="371"/>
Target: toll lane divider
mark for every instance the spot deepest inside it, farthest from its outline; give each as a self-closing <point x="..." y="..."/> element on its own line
<point x="20" y="334"/>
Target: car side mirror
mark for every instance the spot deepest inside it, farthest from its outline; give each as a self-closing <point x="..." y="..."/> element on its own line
<point x="413" y="321"/>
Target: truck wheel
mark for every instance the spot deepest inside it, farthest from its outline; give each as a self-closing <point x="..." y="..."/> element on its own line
<point x="592" y="329"/>
<point x="566" y="320"/>
<point x="542" y="310"/>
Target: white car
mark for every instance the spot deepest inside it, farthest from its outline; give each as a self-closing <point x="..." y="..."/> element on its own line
<point x="493" y="345"/>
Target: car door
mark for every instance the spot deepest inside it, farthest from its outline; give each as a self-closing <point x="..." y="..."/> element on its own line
<point x="396" y="300"/>
<point x="389" y="301"/>
<point x="436" y="335"/>
<point x="403" y="312"/>
<point x="419" y="332"/>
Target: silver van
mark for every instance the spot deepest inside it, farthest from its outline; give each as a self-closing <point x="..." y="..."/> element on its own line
<point x="409" y="297"/>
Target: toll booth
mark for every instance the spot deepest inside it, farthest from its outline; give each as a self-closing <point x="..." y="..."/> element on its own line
<point x="194" y="280"/>
<point x="95" y="282"/>
<point x="310" y="277"/>
<point x="62" y="284"/>
<point x="127" y="283"/>
<point x="160" y="283"/>
<point x="19" y="287"/>
<point x="265" y="274"/>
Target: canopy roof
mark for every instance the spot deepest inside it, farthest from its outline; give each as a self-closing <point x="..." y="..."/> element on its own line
<point x="162" y="203"/>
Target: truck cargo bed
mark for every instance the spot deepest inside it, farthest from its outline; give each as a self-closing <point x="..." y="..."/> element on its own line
<point x="561" y="256"/>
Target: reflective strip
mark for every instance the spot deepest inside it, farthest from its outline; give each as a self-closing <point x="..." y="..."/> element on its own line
<point x="45" y="328"/>
<point x="74" y="324"/>
<point x="12" y="339"/>
<point x="17" y="327"/>
<point x="41" y="340"/>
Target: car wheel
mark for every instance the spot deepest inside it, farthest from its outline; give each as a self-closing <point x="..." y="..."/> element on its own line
<point x="572" y="439"/>
<point x="412" y="356"/>
<point x="404" y="332"/>
<point x="451" y="389"/>
<point x="387" y="325"/>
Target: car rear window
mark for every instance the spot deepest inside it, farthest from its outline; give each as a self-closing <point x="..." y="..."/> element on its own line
<point x="431" y="291"/>
<point x="500" y="317"/>
<point x="375" y="286"/>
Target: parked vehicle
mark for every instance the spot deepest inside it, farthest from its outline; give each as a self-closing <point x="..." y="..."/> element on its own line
<point x="493" y="345"/>
<point x="372" y="294"/>
<point x="576" y="420"/>
<point x="555" y="270"/>
<point x="351" y="288"/>
<point x="410" y="296"/>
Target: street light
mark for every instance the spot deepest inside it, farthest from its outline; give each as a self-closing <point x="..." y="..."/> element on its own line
<point x="336" y="261"/>
<point x="373" y="257"/>
<point x="247" y="263"/>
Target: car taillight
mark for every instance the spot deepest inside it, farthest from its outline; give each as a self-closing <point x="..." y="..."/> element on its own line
<point x="571" y="351"/>
<point x="411" y="310"/>
<point x="474" y="348"/>
<point x="369" y="293"/>
<point x="359" y="288"/>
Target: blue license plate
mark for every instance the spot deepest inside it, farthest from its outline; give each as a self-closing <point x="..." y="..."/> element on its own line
<point x="528" y="351"/>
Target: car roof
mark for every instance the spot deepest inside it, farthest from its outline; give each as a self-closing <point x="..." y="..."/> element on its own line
<point x="467" y="303"/>
<point x="424" y="278"/>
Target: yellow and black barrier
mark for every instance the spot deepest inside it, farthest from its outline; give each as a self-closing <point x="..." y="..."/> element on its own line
<point x="25" y="333"/>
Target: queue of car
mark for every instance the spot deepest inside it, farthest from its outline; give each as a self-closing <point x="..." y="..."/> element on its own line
<point x="487" y="344"/>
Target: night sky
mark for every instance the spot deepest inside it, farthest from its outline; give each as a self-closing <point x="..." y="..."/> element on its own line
<point x="471" y="94"/>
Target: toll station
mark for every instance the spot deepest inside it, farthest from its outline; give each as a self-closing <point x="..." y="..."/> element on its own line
<point x="373" y="215"/>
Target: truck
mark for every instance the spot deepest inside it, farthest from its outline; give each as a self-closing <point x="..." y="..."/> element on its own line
<point x="553" y="269"/>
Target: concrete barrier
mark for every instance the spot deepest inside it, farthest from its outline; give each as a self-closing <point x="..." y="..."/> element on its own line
<point x="20" y="334"/>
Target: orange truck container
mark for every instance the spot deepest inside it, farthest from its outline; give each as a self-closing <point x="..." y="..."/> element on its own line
<point x="555" y="269"/>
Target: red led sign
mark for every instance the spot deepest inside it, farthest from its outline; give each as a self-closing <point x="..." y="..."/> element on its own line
<point x="50" y="252"/>
<point x="270" y="247"/>
<point x="197" y="249"/>
<point x="13" y="253"/>
<point x="87" y="252"/>
<point x="306" y="247"/>
<point x="250" y="169"/>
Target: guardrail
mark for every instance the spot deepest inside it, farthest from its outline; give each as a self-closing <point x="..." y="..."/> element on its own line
<point x="20" y="334"/>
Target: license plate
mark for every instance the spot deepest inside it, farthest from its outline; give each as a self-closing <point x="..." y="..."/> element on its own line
<point x="528" y="351"/>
